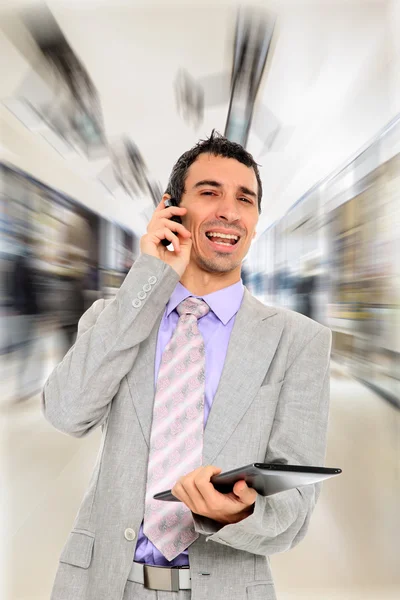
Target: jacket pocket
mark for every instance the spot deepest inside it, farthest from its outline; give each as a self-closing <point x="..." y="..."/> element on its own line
<point x="79" y="549"/>
<point x="261" y="591"/>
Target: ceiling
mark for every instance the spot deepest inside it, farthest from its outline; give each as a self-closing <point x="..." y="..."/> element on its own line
<point x="325" y="57"/>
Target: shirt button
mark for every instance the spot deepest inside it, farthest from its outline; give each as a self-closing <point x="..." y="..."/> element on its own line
<point x="152" y="280"/>
<point x="142" y="295"/>
<point x="136" y="303"/>
<point x="146" y="287"/>
<point x="129" y="534"/>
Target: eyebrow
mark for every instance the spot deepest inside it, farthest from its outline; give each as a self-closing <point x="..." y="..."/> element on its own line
<point x="209" y="182"/>
<point x="246" y="190"/>
<point x="217" y="184"/>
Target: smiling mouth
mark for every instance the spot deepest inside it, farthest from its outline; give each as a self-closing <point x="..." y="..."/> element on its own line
<point x="226" y="240"/>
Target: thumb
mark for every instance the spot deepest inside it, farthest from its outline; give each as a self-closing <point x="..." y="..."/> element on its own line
<point x="245" y="494"/>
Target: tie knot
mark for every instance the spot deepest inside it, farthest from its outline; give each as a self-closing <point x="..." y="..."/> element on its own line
<point x="193" y="306"/>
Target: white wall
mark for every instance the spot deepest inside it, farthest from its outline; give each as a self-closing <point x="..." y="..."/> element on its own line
<point x="353" y="95"/>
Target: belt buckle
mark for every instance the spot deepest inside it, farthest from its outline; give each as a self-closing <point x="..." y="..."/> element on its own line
<point x="161" y="578"/>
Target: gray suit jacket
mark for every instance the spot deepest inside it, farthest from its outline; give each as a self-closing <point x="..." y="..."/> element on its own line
<point x="271" y="406"/>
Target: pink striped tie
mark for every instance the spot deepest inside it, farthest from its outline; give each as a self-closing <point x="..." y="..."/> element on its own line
<point x="176" y="441"/>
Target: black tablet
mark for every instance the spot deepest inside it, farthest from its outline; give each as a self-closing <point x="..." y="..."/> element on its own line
<point x="266" y="479"/>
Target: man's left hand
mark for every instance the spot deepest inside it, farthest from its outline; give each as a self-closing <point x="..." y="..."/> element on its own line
<point x="198" y="493"/>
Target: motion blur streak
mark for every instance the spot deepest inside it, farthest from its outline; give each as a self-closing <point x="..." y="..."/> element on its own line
<point x="97" y="101"/>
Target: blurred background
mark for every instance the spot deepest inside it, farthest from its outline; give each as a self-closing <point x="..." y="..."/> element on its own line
<point x="97" y="101"/>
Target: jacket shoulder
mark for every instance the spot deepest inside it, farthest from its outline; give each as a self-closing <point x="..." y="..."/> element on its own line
<point x="299" y="322"/>
<point x="297" y="329"/>
<point x="290" y="318"/>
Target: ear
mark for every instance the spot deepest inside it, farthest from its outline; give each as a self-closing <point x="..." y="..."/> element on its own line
<point x="254" y="235"/>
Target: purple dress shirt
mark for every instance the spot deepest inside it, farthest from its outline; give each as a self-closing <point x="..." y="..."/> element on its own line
<point x="216" y="328"/>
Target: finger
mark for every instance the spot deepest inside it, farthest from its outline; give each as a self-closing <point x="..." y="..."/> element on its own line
<point x="185" y="486"/>
<point x="166" y="233"/>
<point x="179" y="492"/>
<point x="206" y="496"/>
<point x="160" y="206"/>
<point x="194" y="471"/>
<point x="208" y="471"/>
<point x="205" y="487"/>
<point x="177" y="227"/>
<point x="245" y="494"/>
<point x="172" y="211"/>
<point x="195" y="499"/>
<point x="213" y="469"/>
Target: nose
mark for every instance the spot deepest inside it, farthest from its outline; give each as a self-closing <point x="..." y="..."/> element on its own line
<point x="227" y="209"/>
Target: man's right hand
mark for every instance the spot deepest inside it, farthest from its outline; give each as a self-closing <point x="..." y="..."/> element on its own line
<point x="161" y="227"/>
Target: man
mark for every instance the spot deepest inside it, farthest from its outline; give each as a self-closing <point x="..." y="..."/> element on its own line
<point x="189" y="375"/>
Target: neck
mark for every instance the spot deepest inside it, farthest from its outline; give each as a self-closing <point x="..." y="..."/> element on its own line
<point x="201" y="283"/>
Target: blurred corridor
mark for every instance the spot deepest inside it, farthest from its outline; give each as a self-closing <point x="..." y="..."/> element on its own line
<point x="96" y="103"/>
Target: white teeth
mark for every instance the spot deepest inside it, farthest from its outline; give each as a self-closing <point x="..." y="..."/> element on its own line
<point x="223" y="235"/>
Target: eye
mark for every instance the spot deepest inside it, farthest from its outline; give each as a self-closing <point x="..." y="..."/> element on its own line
<point x="207" y="193"/>
<point x="246" y="200"/>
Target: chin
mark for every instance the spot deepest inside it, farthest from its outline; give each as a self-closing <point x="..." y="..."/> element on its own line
<point x="225" y="264"/>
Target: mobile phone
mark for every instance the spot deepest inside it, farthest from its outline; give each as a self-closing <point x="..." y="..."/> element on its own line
<point x="175" y="218"/>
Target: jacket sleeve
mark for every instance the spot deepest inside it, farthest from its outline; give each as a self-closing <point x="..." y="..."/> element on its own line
<point x="78" y="394"/>
<point x="279" y="522"/>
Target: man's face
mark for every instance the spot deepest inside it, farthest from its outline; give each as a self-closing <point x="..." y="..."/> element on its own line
<point x="221" y="198"/>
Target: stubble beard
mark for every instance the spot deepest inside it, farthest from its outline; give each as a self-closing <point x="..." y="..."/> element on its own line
<point x="217" y="266"/>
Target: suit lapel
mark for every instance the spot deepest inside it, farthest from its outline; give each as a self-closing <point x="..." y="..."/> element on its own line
<point x="141" y="381"/>
<point x="252" y="345"/>
<point x="254" y="339"/>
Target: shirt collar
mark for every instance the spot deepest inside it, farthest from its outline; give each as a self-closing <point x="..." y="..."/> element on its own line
<point x="224" y="303"/>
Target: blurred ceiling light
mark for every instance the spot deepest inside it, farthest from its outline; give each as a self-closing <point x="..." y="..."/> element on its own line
<point x="78" y="116"/>
<point x="129" y="167"/>
<point x="254" y="35"/>
<point x="107" y="178"/>
<point x="58" y="143"/>
<point x="189" y="98"/>
<point x="254" y="31"/>
<point x="25" y="113"/>
<point x="34" y="121"/>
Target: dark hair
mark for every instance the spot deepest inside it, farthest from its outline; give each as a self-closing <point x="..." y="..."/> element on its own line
<point x="218" y="145"/>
